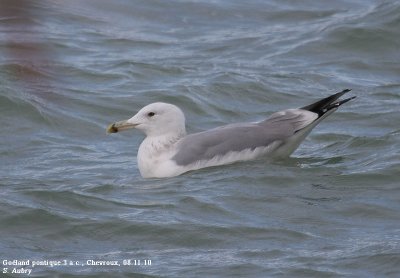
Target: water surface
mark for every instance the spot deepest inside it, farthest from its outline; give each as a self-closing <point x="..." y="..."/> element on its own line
<point x="69" y="192"/>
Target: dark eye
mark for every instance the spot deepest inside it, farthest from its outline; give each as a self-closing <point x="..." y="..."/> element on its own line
<point x="151" y="114"/>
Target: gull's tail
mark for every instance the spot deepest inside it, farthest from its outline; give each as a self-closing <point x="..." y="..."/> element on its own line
<point x="323" y="108"/>
<point x="324" y="105"/>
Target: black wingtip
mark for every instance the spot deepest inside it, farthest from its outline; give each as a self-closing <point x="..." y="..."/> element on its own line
<point x="322" y="106"/>
<point x="337" y="104"/>
<point x="346" y="100"/>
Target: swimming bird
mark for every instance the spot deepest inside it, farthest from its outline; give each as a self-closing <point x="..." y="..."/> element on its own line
<point x="168" y="151"/>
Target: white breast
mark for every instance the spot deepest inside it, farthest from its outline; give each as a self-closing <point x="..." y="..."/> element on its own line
<point x="154" y="158"/>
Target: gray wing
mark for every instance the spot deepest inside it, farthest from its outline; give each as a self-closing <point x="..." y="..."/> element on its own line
<point x="238" y="137"/>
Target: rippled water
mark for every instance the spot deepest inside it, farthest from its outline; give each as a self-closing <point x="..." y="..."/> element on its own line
<point x="69" y="192"/>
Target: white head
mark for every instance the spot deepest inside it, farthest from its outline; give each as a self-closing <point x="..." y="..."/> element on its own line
<point x="154" y="119"/>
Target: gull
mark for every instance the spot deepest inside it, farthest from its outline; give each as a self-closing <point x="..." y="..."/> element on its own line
<point x="167" y="150"/>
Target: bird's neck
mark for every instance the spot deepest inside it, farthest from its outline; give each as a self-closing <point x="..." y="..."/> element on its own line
<point x="154" y="145"/>
<point x="154" y="151"/>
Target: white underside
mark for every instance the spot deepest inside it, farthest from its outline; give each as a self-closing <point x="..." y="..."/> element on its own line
<point x="163" y="166"/>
